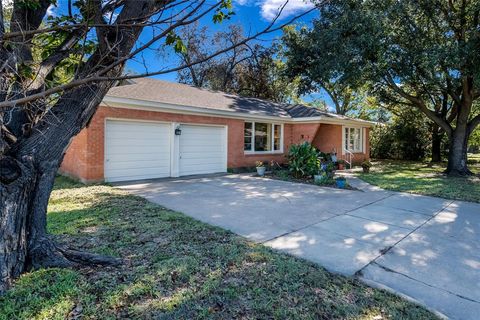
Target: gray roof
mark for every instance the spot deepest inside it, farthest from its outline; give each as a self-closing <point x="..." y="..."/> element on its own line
<point x="148" y="89"/>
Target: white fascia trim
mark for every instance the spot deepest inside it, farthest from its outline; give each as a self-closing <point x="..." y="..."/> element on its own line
<point x="173" y="108"/>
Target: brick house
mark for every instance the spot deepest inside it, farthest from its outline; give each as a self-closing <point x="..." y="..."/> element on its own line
<point x="147" y="128"/>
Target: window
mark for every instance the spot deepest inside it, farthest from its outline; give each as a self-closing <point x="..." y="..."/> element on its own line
<point x="353" y="139"/>
<point x="248" y="136"/>
<point x="262" y="137"/>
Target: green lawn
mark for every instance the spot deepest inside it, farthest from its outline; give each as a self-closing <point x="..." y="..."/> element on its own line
<point x="179" y="268"/>
<point x="425" y="178"/>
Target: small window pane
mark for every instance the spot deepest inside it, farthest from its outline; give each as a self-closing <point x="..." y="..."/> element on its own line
<point x="263" y="136"/>
<point x="277" y="134"/>
<point x="247" y="145"/>
<point x="351" y="139"/>
<point x="346" y="138"/>
<point x="357" y="140"/>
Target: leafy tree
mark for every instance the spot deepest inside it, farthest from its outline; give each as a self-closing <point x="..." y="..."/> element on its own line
<point x="410" y="52"/>
<point x="247" y="70"/>
<point x="303" y="62"/>
<point x="405" y="137"/>
<point x="54" y="72"/>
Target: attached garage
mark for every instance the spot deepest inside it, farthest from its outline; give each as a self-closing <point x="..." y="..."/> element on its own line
<point x="203" y="149"/>
<point x="136" y="150"/>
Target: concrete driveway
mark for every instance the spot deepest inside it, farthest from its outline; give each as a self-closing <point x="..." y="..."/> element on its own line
<point x="423" y="247"/>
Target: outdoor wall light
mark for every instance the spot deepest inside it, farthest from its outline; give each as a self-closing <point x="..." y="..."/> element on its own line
<point x="178" y="131"/>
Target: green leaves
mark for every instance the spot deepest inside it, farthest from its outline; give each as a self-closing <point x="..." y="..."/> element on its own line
<point x="224" y="11"/>
<point x="172" y="39"/>
<point x="303" y="160"/>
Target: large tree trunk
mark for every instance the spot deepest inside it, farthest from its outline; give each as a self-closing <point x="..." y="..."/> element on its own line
<point x="26" y="182"/>
<point x="436" y="144"/>
<point x="24" y="243"/>
<point x="457" y="156"/>
<point x="28" y="167"/>
<point x="13" y="219"/>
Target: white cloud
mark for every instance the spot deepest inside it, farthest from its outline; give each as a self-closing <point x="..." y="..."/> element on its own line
<point x="51" y="11"/>
<point x="269" y="8"/>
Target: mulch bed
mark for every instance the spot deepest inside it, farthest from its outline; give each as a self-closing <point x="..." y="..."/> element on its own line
<point x="306" y="180"/>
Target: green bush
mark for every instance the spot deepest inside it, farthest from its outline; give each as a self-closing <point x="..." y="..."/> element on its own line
<point x="404" y="138"/>
<point x="324" y="179"/>
<point x="303" y="160"/>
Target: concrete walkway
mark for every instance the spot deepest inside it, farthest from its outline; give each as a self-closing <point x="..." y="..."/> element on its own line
<point x="422" y="247"/>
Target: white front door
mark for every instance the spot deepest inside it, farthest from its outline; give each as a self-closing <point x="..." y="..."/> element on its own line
<point x="136" y="150"/>
<point x="202" y="149"/>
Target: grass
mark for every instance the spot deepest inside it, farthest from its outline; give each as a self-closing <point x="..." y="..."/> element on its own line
<point x="425" y="178"/>
<point x="179" y="268"/>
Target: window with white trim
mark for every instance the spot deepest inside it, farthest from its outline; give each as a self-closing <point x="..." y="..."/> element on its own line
<point x="262" y="137"/>
<point x="353" y="139"/>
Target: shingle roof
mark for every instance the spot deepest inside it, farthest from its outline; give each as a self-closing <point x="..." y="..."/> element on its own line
<point x="148" y="89"/>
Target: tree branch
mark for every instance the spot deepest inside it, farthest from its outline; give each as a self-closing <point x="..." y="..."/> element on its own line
<point x="98" y="76"/>
<point x="418" y="102"/>
<point x="473" y="124"/>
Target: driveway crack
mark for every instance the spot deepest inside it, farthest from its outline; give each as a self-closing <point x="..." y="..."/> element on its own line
<point x="389" y="248"/>
<point x="424" y="283"/>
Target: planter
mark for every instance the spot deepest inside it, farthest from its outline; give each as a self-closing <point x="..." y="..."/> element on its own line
<point x="341" y="183"/>
<point x="366" y="169"/>
<point x="261" y="171"/>
<point x="341" y="166"/>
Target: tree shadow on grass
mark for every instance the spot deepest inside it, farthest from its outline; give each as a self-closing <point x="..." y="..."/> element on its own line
<point x="176" y="267"/>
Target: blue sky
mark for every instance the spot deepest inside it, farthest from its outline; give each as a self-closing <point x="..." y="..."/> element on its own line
<point x="253" y="15"/>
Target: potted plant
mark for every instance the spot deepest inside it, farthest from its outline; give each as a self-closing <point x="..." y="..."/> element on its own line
<point x="341" y="164"/>
<point x="260" y="168"/>
<point x="366" y="166"/>
<point x="341" y="182"/>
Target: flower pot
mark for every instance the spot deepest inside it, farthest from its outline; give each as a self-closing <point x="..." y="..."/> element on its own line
<point x="341" y="166"/>
<point x="340" y="183"/>
<point x="261" y="171"/>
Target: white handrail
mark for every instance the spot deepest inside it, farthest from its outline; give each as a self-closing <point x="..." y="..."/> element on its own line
<point x="350" y="158"/>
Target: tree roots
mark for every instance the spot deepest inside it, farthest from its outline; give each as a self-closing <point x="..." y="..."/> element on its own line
<point x="45" y="253"/>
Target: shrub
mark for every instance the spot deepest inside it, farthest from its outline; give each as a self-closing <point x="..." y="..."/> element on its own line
<point x="324" y="179"/>
<point x="404" y="138"/>
<point x="303" y="160"/>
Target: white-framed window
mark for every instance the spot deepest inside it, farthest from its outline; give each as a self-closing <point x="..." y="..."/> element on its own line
<point x="263" y="137"/>
<point x="353" y="139"/>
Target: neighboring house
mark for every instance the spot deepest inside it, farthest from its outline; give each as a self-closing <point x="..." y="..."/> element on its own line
<point x="147" y="128"/>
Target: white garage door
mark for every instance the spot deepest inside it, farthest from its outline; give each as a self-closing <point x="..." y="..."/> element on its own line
<point x="136" y="150"/>
<point x="202" y="150"/>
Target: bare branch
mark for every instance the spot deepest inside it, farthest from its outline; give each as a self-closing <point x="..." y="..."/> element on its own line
<point x="100" y="75"/>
